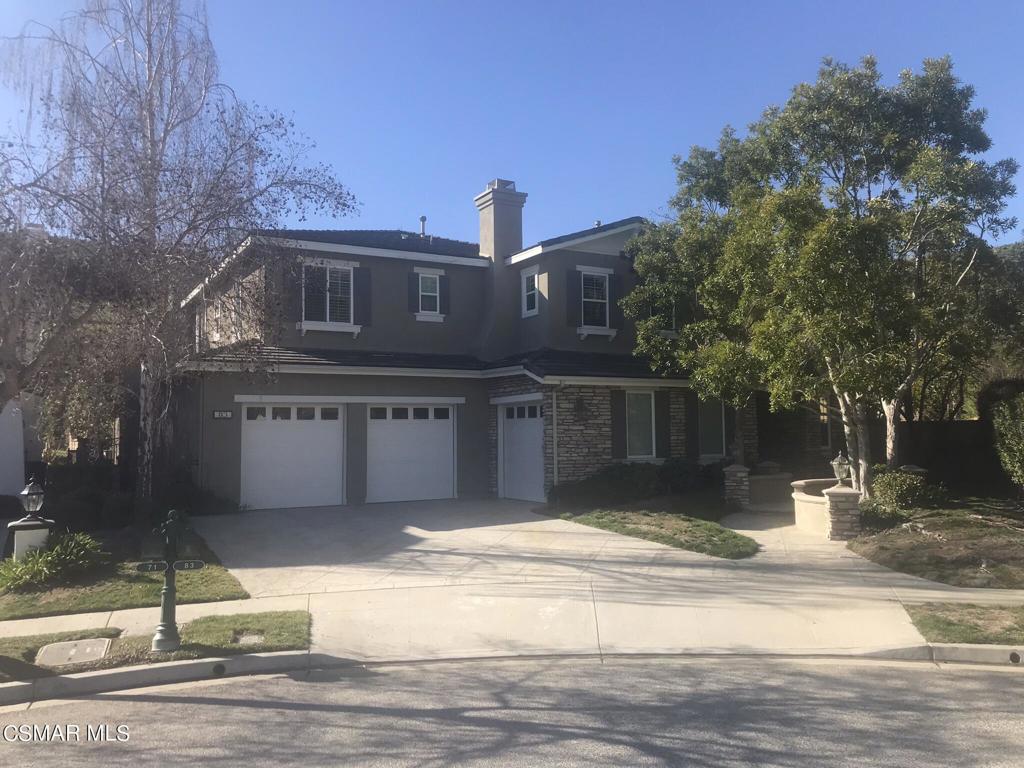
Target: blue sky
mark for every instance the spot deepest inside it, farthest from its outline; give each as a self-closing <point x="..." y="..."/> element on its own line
<point x="583" y="104"/>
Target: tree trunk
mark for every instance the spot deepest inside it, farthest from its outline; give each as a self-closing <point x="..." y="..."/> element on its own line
<point x="852" y="440"/>
<point x="891" y="408"/>
<point x="864" y="449"/>
<point x="144" y="466"/>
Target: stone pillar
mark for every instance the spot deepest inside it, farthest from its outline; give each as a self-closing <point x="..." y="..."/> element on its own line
<point x="842" y="521"/>
<point x="737" y="486"/>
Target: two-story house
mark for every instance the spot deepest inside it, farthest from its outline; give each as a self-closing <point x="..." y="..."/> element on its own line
<point x="397" y="366"/>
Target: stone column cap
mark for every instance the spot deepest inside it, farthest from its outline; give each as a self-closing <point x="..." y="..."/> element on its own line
<point x="841" y="490"/>
<point x="736" y="468"/>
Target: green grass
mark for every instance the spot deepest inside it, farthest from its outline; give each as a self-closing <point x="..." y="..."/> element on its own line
<point x="974" y="542"/>
<point x="120" y="586"/>
<point x="17" y="654"/>
<point x="685" y="521"/>
<point x="205" y="637"/>
<point x="957" y="623"/>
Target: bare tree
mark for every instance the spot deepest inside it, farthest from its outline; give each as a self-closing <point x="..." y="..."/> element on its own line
<point x="142" y="153"/>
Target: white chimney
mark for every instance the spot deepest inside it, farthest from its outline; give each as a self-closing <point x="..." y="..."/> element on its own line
<point x="501" y="219"/>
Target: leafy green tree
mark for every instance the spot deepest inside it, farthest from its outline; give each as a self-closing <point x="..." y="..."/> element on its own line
<point x="833" y="250"/>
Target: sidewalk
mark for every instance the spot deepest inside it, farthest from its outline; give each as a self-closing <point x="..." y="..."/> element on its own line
<point x="800" y="595"/>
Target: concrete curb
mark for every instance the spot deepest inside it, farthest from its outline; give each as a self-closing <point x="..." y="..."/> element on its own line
<point x="122" y="678"/>
<point x="965" y="653"/>
<point x="125" y="678"/>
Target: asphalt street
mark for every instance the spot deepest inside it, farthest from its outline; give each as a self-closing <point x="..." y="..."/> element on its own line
<point x="727" y="711"/>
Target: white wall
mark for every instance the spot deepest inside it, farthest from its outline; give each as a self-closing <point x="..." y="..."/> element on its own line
<point x="12" y="450"/>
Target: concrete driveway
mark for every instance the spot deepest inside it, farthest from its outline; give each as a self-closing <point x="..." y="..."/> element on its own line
<point x="490" y="578"/>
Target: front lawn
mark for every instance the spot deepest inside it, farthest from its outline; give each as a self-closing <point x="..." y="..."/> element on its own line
<point x="957" y="623"/>
<point x="684" y="521"/>
<point x="120" y="586"/>
<point x="205" y="637"/>
<point x="976" y="542"/>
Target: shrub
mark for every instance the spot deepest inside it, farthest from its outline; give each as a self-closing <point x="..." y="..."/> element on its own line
<point x="898" y="490"/>
<point x="680" y="475"/>
<point x="875" y="516"/>
<point x="65" y="556"/>
<point x="1008" y="420"/>
<point x="615" y="484"/>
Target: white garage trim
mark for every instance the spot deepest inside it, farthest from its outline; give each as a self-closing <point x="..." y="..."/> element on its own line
<point x="533" y="397"/>
<point x="349" y="399"/>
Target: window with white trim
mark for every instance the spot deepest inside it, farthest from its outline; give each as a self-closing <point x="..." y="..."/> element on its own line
<point x="327" y="294"/>
<point x="595" y="299"/>
<point x="640" y="425"/>
<point x="528" y="282"/>
<point x="430" y="294"/>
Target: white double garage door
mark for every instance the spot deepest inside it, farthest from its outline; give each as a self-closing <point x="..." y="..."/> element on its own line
<point x="293" y="454"/>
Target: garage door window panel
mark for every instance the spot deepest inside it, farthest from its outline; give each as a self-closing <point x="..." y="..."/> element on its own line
<point x="378" y="413"/>
<point x="281" y="414"/>
<point x="256" y="413"/>
<point x="329" y="414"/>
<point x="440" y="413"/>
<point x="399" y="413"/>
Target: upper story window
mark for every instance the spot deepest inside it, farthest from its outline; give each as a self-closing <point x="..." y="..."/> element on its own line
<point x="430" y="294"/>
<point x="528" y="283"/>
<point x="595" y="299"/>
<point x="327" y="294"/>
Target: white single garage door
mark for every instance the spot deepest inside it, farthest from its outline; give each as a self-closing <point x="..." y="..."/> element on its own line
<point x="410" y="452"/>
<point x="522" y="451"/>
<point x="292" y="456"/>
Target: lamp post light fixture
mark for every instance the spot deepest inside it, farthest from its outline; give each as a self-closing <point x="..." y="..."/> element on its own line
<point x="31" y="497"/>
<point x="32" y="531"/>
<point x="841" y="467"/>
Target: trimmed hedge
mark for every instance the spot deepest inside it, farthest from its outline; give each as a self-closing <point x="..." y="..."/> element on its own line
<point x="622" y="483"/>
<point x="898" y="490"/>
<point x="1008" y="420"/>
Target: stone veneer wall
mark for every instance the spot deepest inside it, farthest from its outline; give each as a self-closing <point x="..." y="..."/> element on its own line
<point x="677" y="419"/>
<point x="584" y="427"/>
<point x="748" y="417"/>
<point x="584" y="431"/>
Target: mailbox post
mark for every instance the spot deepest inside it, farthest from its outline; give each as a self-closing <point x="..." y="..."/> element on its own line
<point x="167" y="637"/>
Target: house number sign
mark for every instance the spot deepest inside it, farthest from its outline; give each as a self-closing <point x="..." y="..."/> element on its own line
<point x="222" y="414"/>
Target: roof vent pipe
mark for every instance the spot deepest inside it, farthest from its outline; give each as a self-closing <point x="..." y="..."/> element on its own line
<point x="423" y="226"/>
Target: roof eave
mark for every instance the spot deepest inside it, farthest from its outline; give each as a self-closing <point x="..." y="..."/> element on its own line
<point x="547" y="246"/>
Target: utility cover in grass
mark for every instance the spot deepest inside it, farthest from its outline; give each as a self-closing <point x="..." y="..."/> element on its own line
<point x="72" y="652"/>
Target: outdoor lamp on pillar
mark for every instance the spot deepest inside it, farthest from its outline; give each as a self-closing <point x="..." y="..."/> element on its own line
<point x="31" y="497"/>
<point x="841" y="468"/>
<point x="32" y="531"/>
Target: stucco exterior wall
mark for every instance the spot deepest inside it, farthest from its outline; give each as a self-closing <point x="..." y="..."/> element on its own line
<point x="392" y="327"/>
